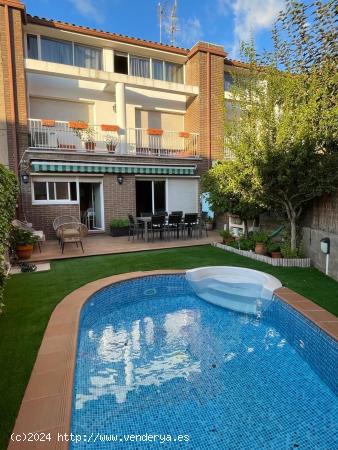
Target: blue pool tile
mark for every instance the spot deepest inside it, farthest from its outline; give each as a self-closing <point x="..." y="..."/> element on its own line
<point x="154" y="358"/>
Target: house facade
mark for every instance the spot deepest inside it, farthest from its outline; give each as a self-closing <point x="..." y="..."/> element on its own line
<point x="99" y="125"/>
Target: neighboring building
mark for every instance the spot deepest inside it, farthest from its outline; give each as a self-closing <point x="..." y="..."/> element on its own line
<point x="102" y="122"/>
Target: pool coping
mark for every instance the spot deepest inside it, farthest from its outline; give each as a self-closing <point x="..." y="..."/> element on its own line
<point x="47" y="403"/>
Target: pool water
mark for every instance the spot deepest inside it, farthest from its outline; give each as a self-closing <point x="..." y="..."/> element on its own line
<point x="155" y="359"/>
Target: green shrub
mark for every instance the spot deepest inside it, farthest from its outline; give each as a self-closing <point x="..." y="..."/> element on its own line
<point x="119" y="223"/>
<point x="260" y="237"/>
<point x="8" y="195"/>
<point x="274" y="247"/>
<point x="225" y="235"/>
<point x="246" y="244"/>
<point x="287" y="252"/>
<point x="234" y="244"/>
<point x="22" y="236"/>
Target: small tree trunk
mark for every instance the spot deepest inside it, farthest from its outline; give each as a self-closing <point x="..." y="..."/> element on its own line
<point x="293" y="232"/>
<point x="245" y="221"/>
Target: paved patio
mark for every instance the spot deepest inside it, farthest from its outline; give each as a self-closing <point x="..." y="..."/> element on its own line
<point x="103" y="244"/>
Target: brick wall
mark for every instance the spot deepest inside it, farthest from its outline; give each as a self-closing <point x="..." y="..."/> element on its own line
<point x="16" y="120"/>
<point x="119" y="200"/>
<point x="196" y="119"/>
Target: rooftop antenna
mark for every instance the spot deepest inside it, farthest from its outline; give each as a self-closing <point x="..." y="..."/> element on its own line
<point x="161" y="13"/>
<point x="173" y="23"/>
<point x="168" y="20"/>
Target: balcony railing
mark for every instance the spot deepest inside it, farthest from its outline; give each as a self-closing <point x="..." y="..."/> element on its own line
<point x="65" y="136"/>
<point x="168" y="144"/>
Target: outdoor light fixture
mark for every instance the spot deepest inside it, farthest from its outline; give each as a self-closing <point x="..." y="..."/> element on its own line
<point x="24" y="177"/>
<point x="120" y="179"/>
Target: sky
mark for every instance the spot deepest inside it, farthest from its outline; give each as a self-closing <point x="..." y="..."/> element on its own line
<point x="225" y="22"/>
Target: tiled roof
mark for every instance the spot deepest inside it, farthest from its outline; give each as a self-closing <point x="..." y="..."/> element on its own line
<point x="104" y="34"/>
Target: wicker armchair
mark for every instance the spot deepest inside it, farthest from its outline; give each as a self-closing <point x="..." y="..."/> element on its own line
<point x="72" y="232"/>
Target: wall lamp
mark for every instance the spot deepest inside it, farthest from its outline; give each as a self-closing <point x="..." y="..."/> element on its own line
<point x="24" y="177"/>
<point x="120" y="179"/>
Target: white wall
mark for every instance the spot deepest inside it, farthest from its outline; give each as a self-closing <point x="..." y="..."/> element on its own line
<point x="172" y="106"/>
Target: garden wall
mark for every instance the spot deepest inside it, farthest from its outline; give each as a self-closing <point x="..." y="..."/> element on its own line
<point x="321" y="220"/>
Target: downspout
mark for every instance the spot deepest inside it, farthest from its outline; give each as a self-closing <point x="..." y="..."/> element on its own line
<point x="209" y="106"/>
<point x="11" y="91"/>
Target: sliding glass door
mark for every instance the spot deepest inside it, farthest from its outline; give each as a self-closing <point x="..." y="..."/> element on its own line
<point x="150" y="196"/>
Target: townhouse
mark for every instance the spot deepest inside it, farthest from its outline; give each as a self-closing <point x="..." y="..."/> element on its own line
<point x="103" y="124"/>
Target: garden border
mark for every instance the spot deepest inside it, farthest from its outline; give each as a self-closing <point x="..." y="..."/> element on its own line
<point x="277" y="262"/>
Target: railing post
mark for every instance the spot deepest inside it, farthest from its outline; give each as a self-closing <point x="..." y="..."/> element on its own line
<point x="121" y="114"/>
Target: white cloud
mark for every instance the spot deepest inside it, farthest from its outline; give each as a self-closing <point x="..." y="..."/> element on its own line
<point x="250" y="16"/>
<point x="190" y="31"/>
<point x="87" y="9"/>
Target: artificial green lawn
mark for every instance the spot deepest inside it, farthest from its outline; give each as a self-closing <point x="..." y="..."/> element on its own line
<point x="30" y="299"/>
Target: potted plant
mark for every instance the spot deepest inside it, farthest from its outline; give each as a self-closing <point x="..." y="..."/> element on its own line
<point x="226" y="236"/>
<point x="210" y="223"/>
<point x="87" y="136"/>
<point x="119" y="227"/>
<point x="111" y="142"/>
<point x="261" y="239"/>
<point x="274" y="250"/>
<point x="23" y="241"/>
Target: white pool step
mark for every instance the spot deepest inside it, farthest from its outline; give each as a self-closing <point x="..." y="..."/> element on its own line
<point x="236" y="288"/>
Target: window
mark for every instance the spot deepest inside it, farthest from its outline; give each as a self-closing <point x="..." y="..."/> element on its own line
<point x="88" y="57"/>
<point x="158" y="72"/>
<point x="54" y="191"/>
<point x="56" y="51"/>
<point x="228" y="81"/>
<point x="32" y="46"/>
<point x="121" y="63"/>
<point x="174" y="72"/>
<point x="140" y="67"/>
<point x="40" y="191"/>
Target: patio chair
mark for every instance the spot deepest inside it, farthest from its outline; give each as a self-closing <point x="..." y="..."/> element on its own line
<point x="173" y="225"/>
<point x="203" y="223"/>
<point x="38" y="233"/>
<point x="134" y="227"/>
<point x="190" y="225"/>
<point x="157" y="224"/>
<point x="72" y="232"/>
<point x="60" y="220"/>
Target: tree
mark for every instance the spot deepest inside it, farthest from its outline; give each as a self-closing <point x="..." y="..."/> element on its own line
<point x="287" y="126"/>
<point x="8" y="195"/>
<point x="227" y="185"/>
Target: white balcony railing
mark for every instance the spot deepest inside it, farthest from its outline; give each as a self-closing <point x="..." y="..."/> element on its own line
<point x="62" y="136"/>
<point x="59" y="135"/>
<point x="168" y="144"/>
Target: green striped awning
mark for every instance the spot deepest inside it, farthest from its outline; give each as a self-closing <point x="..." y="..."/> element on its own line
<point x="100" y="168"/>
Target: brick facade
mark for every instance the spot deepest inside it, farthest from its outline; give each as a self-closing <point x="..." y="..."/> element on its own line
<point x="14" y="107"/>
<point x="205" y="113"/>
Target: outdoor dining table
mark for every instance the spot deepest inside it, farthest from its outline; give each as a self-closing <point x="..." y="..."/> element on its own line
<point x="145" y="220"/>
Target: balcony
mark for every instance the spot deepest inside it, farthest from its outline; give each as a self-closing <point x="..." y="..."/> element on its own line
<point x="60" y="136"/>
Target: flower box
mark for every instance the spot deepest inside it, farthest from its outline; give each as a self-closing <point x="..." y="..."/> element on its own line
<point x="48" y="122"/>
<point x="105" y="127"/>
<point x="78" y="125"/>
<point x="184" y="134"/>
<point x="154" y="131"/>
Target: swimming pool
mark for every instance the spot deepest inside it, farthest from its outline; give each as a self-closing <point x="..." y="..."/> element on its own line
<point x="155" y="359"/>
